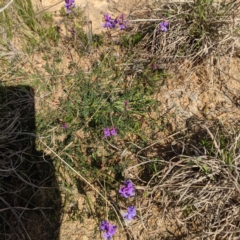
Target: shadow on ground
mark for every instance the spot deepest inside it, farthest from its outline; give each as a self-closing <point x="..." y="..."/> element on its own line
<point x="30" y="200"/>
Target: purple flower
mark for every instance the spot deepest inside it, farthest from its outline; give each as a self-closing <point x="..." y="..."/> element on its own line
<point x="109" y="230"/>
<point x="127" y="190"/>
<point x="122" y="23"/>
<point x="113" y="131"/>
<point x="108" y="132"/>
<point x="109" y="22"/>
<point x="110" y="25"/>
<point x="164" y="26"/>
<point x="107" y="17"/>
<point x="64" y="126"/>
<point x="130" y="214"/>
<point x="121" y="26"/>
<point x="69" y="4"/>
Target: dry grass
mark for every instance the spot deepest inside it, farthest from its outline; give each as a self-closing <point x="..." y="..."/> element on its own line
<point x="196" y="193"/>
<point x="197" y="30"/>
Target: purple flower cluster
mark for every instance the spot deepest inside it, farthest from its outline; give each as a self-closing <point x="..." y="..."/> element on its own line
<point x="163" y="26"/>
<point x="69" y="4"/>
<point x="109" y="22"/>
<point x="127" y="190"/>
<point x="130" y="214"/>
<point x="108" y="132"/>
<point x="112" y="23"/>
<point x="109" y="230"/>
